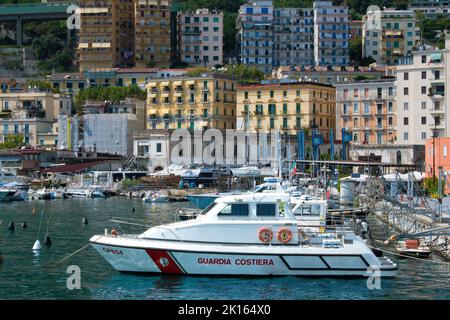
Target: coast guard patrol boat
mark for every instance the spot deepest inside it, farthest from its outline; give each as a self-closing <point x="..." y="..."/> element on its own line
<point x="247" y="234"/>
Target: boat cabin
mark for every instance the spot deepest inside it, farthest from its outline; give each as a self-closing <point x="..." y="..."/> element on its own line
<point x="256" y="218"/>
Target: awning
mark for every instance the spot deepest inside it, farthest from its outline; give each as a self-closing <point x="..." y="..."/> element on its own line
<point x="436" y="56"/>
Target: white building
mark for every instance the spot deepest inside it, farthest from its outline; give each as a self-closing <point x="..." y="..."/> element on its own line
<point x="293" y="37"/>
<point x="255" y="34"/>
<point x="200" y="37"/>
<point x="394" y="37"/>
<point x="331" y="34"/>
<point x="422" y="95"/>
<point x="430" y="8"/>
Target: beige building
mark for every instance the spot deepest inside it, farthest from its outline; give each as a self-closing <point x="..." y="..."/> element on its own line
<point x="33" y="115"/>
<point x="152" y="33"/>
<point x="123" y="34"/>
<point x="286" y="106"/>
<point x="207" y="101"/>
<point x="368" y="110"/>
<point x="200" y="37"/>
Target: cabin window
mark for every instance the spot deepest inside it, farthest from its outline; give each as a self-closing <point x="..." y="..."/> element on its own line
<point x="235" y="209"/>
<point x="265" y="209"/>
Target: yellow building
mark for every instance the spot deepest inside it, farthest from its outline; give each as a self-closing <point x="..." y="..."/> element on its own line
<point x="32" y="115"/>
<point x="152" y="33"/>
<point x="287" y="107"/>
<point x="192" y="102"/>
<point x="123" y="33"/>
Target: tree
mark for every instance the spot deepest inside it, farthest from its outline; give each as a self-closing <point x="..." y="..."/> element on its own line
<point x="42" y="85"/>
<point x="12" y="142"/>
<point x="244" y="73"/>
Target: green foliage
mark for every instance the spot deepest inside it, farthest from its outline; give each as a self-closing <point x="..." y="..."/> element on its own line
<point x="113" y="94"/>
<point x="431" y="186"/>
<point x="244" y="73"/>
<point x="197" y="72"/>
<point x="14" y="64"/>
<point x="42" y="85"/>
<point x="12" y="142"/>
<point x="129" y="184"/>
<point x="432" y="28"/>
<point x="50" y="45"/>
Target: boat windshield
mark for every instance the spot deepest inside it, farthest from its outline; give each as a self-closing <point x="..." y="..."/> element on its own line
<point x="263" y="188"/>
<point x="308" y="210"/>
<point x="208" y="208"/>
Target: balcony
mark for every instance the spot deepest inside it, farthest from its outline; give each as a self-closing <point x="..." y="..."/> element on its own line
<point x="439" y="126"/>
<point x="259" y="113"/>
<point x="4" y="114"/>
<point x="434" y="110"/>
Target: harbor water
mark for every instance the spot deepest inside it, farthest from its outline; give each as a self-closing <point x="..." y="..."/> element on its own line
<point x="27" y="275"/>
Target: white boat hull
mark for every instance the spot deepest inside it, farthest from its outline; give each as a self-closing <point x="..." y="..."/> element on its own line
<point x="172" y="257"/>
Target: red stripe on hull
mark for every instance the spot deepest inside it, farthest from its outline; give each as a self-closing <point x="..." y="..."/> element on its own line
<point x="164" y="261"/>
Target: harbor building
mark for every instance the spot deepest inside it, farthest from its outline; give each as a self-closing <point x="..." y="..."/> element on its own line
<point x="367" y="109"/>
<point x="33" y="115"/>
<point x="207" y="101"/>
<point x="106" y="127"/>
<point x="293" y="37"/>
<point x="255" y="34"/>
<point x="396" y="36"/>
<point x="200" y="37"/>
<point x="437" y="157"/>
<point x="331" y="34"/>
<point x="132" y="32"/>
<point x="286" y="106"/>
<point x="422" y="95"/>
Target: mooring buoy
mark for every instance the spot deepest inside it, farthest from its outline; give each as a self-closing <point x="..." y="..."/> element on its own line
<point x="11" y="225"/>
<point x="24" y="225"/>
<point x="37" y="246"/>
<point x="84" y="221"/>
<point x="47" y="240"/>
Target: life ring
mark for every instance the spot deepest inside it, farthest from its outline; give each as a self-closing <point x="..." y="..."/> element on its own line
<point x="284" y="235"/>
<point x="265" y="235"/>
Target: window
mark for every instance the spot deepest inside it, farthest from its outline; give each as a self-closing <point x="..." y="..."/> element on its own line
<point x="423" y="90"/>
<point x="424" y="74"/>
<point x="405" y="91"/>
<point x="424" y="135"/>
<point x="265" y="209"/>
<point x="405" y="136"/>
<point x="285" y="108"/>
<point x="424" y="120"/>
<point x="271" y="93"/>
<point x="158" y="147"/>
<point x="235" y="209"/>
<point x="406" y="76"/>
<point x="405" y="121"/>
<point x="297" y="108"/>
<point x="424" y="105"/>
<point x="424" y="59"/>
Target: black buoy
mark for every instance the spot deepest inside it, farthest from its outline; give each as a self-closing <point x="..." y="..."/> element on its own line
<point x="84" y="221"/>
<point x="11" y="226"/>
<point x="47" y="240"/>
<point x="24" y="225"/>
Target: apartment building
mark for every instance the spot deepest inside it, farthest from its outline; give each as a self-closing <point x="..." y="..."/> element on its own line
<point x="207" y="101"/>
<point x="397" y="36"/>
<point x="430" y="8"/>
<point x="200" y="37"/>
<point x="286" y="106"/>
<point x="355" y="29"/>
<point x="33" y="115"/>
<point x="124" y="33"/>
<point x="367" y="109"/>
<point x="331" y="34"/>
<point x="422" y="95"/>
<point x="152" y="33"/>
<point x="293" y="36"/>
<point x="255" y="34"/>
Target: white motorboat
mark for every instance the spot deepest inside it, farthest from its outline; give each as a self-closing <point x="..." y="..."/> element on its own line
<point x="79" y="192"/>
<point x="413" y="248"/>
<point x="248" y="234"/>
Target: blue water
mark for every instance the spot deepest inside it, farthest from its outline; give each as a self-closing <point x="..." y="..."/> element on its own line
<point x="26" y="275"/>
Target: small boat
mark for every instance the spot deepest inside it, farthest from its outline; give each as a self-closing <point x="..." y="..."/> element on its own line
<point x="249" y="234"/>
<point x="413" y="248"/>
<point x="155" y="197"/>
<point x="6" y="193"/>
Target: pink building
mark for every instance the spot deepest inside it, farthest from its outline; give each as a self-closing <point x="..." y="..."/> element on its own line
<point x="439" y="158"/>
